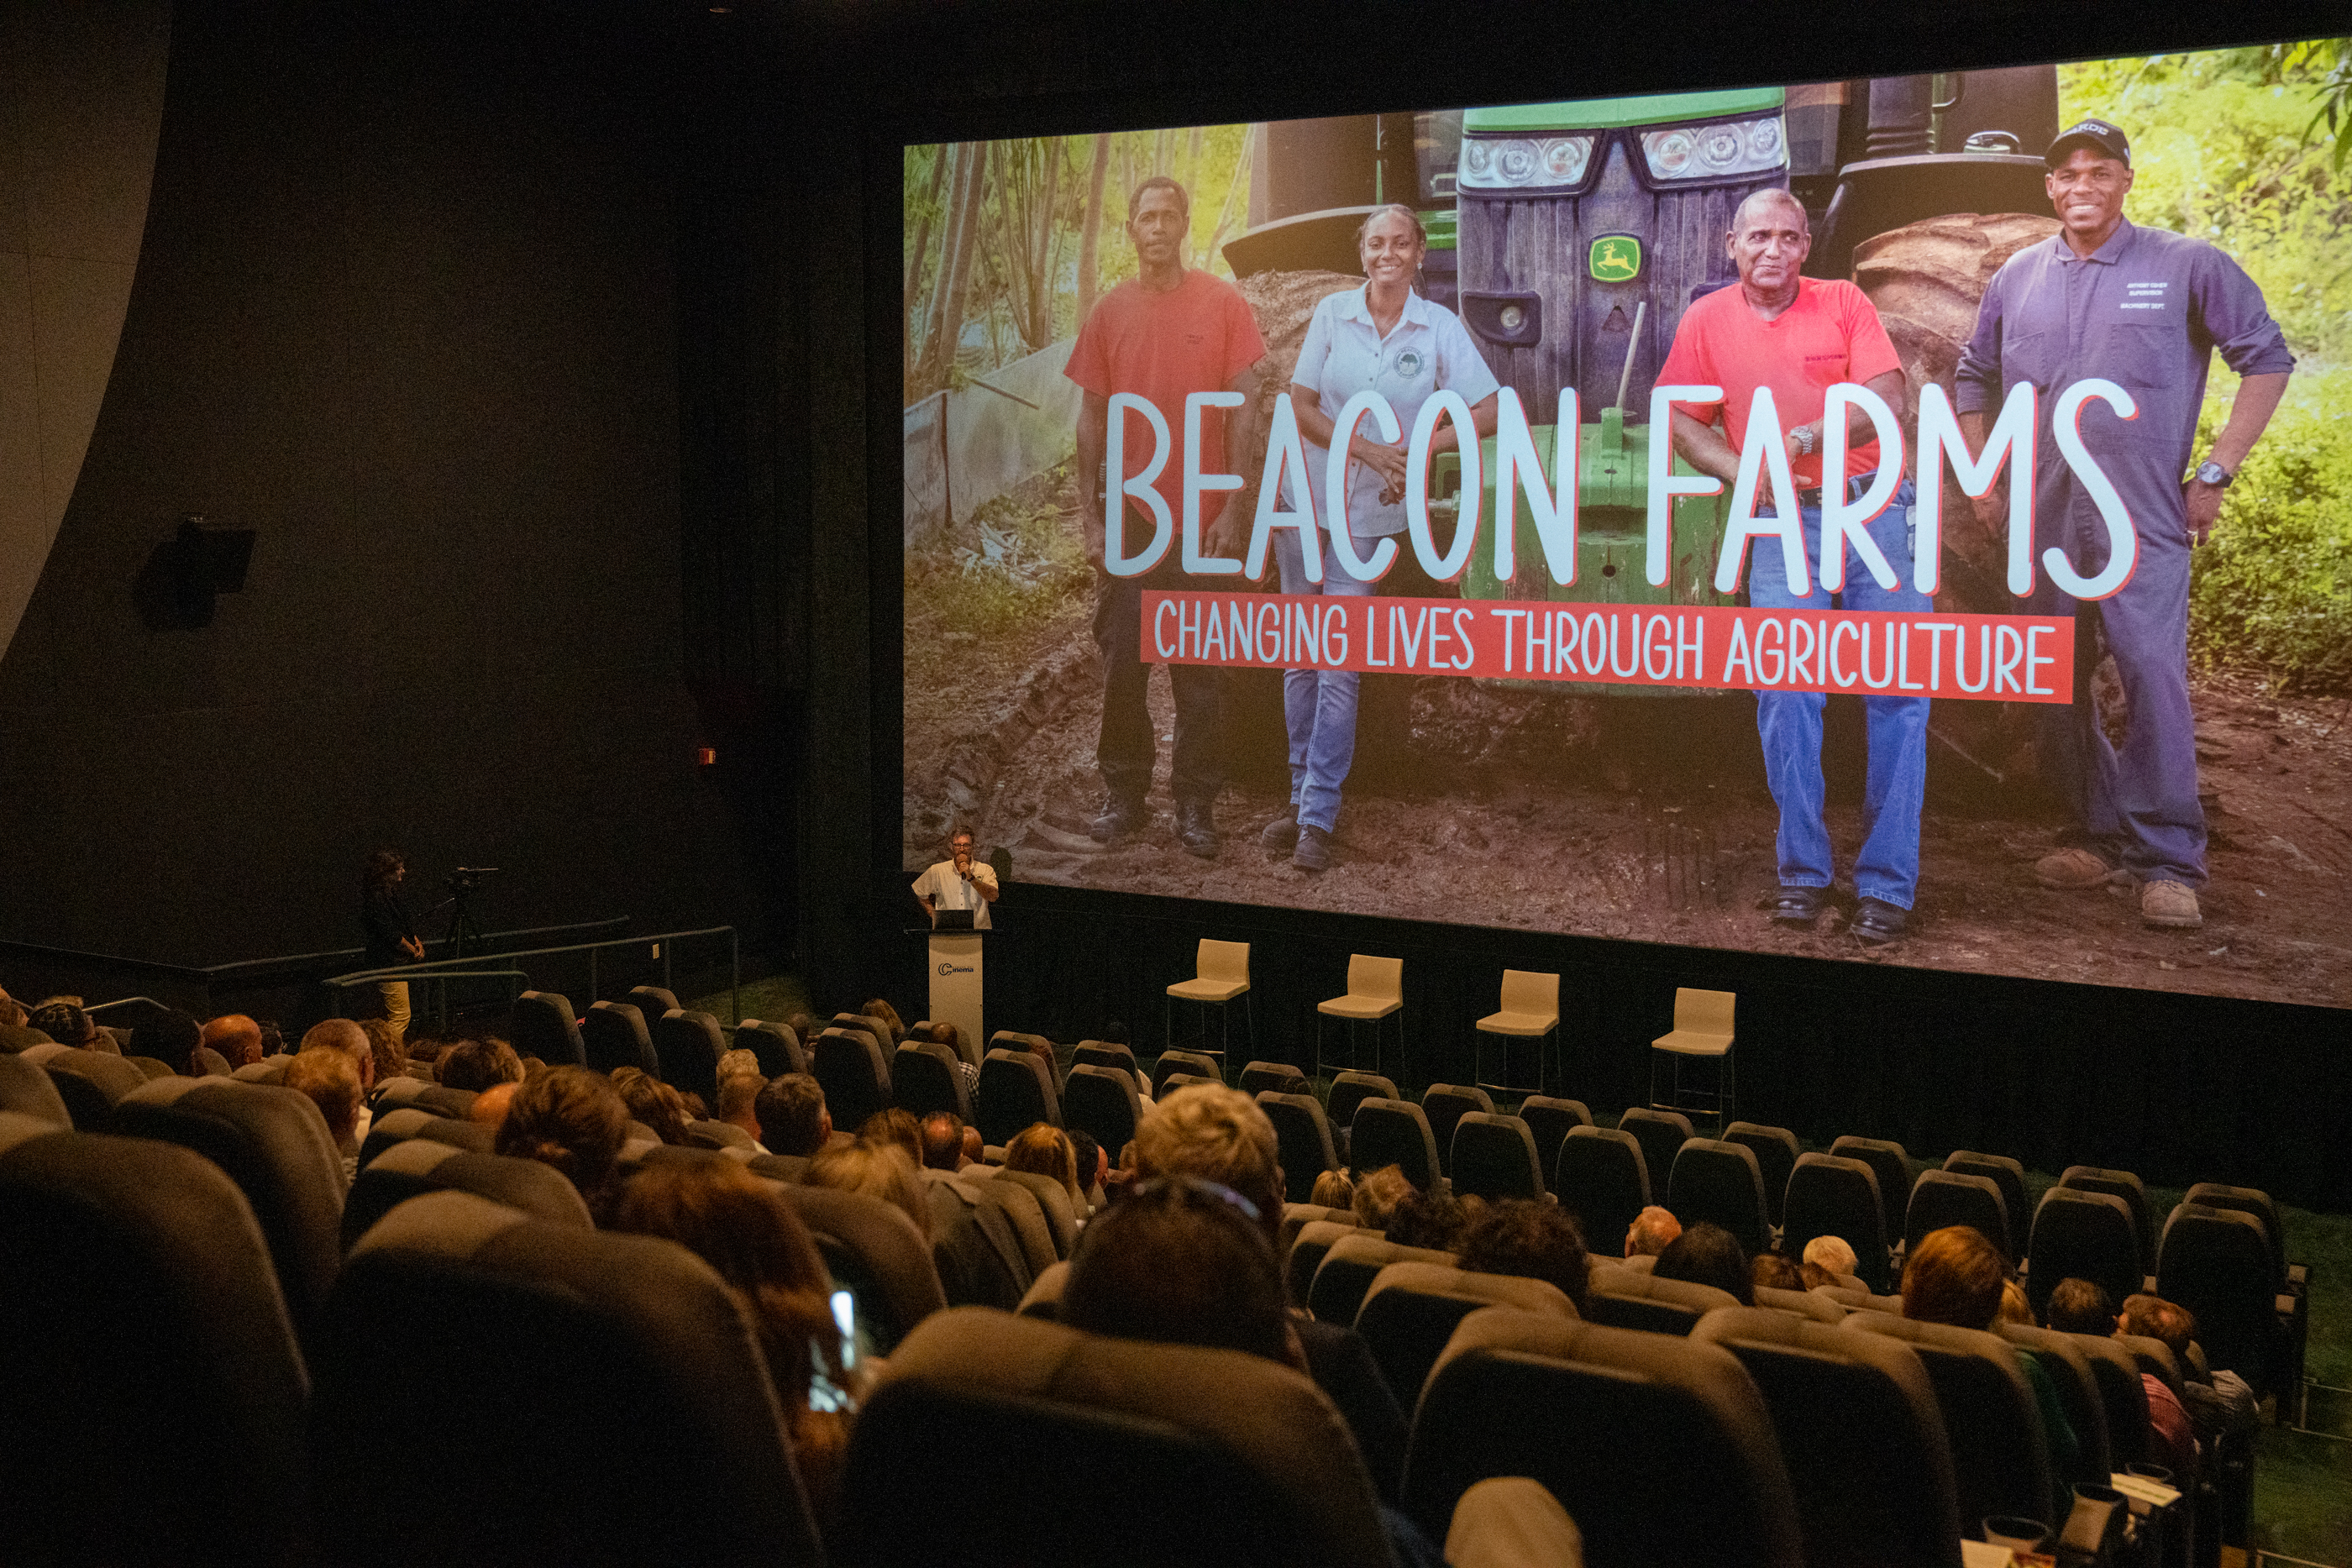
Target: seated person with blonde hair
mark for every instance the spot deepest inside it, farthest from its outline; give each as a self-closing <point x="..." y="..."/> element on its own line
<point x="1652" y="1231"/>
<point x="1833" y="1254"/>
<point x="331" y="1080"/>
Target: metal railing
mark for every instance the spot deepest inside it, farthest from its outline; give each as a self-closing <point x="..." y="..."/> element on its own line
<point x="447" y="970"/>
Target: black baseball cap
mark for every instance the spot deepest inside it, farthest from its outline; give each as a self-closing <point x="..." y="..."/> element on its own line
<point x="2108" y="139"/>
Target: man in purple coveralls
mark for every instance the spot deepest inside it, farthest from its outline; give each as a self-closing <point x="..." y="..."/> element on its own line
<point x="2144" y="309"/>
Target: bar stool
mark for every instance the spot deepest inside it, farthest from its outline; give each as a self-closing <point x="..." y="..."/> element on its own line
<point x="1222" y="974"/>
<point x="1375" y="991"/>
<point x="1529" y="1009"/>
<point x="1702" y="1029"/>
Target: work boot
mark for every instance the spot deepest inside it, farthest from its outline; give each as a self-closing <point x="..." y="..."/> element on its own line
<point x="1196" y="827"/>
<point x="1119" y="817"/>
<point x="1799" y="906"/>
<point x="1282" y="833"/>
<point x="1313" y="852"/>
<point x="2071" y="870"/>
<point x="2170" y="904"/>
<point x="1876" y="922"/>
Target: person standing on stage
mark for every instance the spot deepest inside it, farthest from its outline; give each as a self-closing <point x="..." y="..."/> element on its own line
<point x="1168" y="332"/>
<point x="959" y="882"/>
<point x="2144" y="309"/>
<point x="1382" y="337"/>
<point x="1800" y="336"/>
<point x="392" y="937"/>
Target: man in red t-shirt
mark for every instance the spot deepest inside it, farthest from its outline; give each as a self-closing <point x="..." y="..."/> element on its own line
<point x="1165" y="334"/>
<point x="1799" y="337"/>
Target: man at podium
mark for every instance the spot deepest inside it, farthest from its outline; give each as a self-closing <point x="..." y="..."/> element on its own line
<point x="958" y="882"/>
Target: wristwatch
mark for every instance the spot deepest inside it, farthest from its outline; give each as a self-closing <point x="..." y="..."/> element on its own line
<point x="1807" y="440"/>
<point x="2211" y="472"/>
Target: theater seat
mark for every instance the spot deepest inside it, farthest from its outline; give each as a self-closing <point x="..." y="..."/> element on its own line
<point x="1662" y="1135"/>
<point x="89" y="1083"/>
<point x="1719" y="1182"/>
<point x="1016" y="1093"/>
<point x="1860" y="1433"/>
<point x="775" y="1044"/>
<point x="2134" y="1193"/>
<point x="420" y="1165"/>
<point x="1776" y="1155"/>
<point x="1101" y="1100"/>
<point x="2130" y="1438"/>
<point x="1199" y="1064"/>
<point x="1445" y="1104"/>
<point x="1629" y="1299"/>
<point x="615" y="1036"/>
<point x="1304" y="1138"/>
<point x="1942" y="1198"/>
<point x="690" y="1045"/>
<point x="399" y="1126"/>
<point x="2080" y="1235"/>
<point x="1351" y="1089"/>
<point x="1277" y="1077"/>
<point x="1349" y="1267"/>
<point x="1891" y="1166"/>
<point x="2009" y="1176"/>
<point x="2069" y="1366"/>
<point x="2293" y="1282"/>
<point x="875" y="1253"/>
<point x="1394" y="1133"/>
<point x="1210" y="1457"/>
<point x="1669" y="1456"/>
<point x="29" y="1091"/>
<point x="1053" y="1203"/>
<point x="401" y="1093"/>
<point x="1495" y="1158"/>
<point x="1308" y="1246"/>
<point x="542" y="1024"/>
<point x="611" y="1405"/>
<point x="2217" y="1263"/>
<point x="274" y="1144"/>
<point x="2000" y="1457"/>
<point x="1550" y="1118"/>
<point x="849" y="1066"/>
<point x="1832" y="1196"/>
<point x="151" y="1394"/>
<point x="268" y="1070"/>
<point x="926" y="1076"/>
<point x="653" y="1001"/>
<point x="1602" y="1179"/>
<point x="1412" y="1309"/>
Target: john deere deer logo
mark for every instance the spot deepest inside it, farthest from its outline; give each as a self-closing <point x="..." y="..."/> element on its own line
<point x="1616" y="258"/>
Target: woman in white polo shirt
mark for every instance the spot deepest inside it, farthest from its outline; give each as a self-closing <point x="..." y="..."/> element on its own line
<point x="1386" y="339"/>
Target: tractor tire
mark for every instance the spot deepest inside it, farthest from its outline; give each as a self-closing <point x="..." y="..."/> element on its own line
<point x="1926" y="280"/>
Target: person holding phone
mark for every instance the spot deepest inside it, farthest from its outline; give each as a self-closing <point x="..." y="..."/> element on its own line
<point x="1382" y="338"/>
<point x="959" y="882"/>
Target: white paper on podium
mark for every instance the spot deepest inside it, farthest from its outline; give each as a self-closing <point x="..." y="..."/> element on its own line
<point x="955" y="983"/>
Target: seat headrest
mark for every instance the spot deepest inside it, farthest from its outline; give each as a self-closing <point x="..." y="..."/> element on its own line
<point x="1503" y="1290"/>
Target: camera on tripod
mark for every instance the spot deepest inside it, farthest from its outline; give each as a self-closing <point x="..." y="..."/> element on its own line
<point x="466" y="878"/>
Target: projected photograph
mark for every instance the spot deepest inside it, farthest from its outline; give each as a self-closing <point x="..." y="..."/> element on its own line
<point x="1903" y="519"/>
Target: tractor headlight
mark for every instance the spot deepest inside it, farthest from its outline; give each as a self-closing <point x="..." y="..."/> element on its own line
<point x="1714" y="151"/>
<point x="1523" y="163"/>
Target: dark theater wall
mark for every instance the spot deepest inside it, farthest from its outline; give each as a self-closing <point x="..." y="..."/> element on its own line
<point x="406" y="309"/>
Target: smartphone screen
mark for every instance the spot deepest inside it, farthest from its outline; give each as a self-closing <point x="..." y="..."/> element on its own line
<point x="827" y="1384"/>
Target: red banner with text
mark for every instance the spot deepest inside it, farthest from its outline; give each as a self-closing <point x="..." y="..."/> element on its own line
<point x="1982" y="658"/>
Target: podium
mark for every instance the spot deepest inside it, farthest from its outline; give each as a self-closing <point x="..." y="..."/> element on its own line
<point x="955" y="974"/>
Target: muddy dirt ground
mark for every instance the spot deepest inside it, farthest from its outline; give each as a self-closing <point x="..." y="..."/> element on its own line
<point x="1639" y="819"/>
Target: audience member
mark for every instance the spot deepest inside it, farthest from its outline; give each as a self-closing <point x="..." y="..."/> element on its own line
<point x="477" y="1064"/>
<point x="490" y="1106"/>
<point x="793" y="1116"/>
<point x="877" y="1168"/>
<point x="171" y="1036"/>
<point x="1333" y="1189"/>
<point x="273" y="1038"/>
<point x="1770" y="1271"/>
<point x="943" y="1142"/>
<point x="878" y="1008"/>
<point x="2220" y="1407"/>
<point x="896" y="1126"/>
<point x="331" y="1079"/>
<point x="1833" y="1253"/>
<point x="389" y="1050"/>
<point x="1433" y="1219"/>
<point x="1817" y="1278"/>
<point x="1709" y="1255"/>
<point x="1956" y="1276"/>
<point x="744" y="1229"/>
<point x="1652" y="1231"/>
<point x="653" y="1102"/>
<point x="1533" y="1241"/>
<point x="2015" y="1306"/>
<point x="573" y="1119"/>
<point x="347" y="1037"/>
<point x="1046" y="1151"/>
<point x="976" y="1148"/>
<point x="1093" y="1166"/>
<point x="66" y="1023"/>
<point x="237" y="1038"/>
<point x="738" y="1103"/>
<point x="1219" y="1135"/>
<point x="738" y="1060"/>
<point x="2080" y="1306"/>
<point x="1378" y="1195"/>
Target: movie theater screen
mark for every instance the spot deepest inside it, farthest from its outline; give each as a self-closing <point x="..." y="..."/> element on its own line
<point x="1827" y="573"/>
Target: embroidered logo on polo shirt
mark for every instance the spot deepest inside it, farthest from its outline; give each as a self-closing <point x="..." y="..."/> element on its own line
<point x="1408" y="363"/>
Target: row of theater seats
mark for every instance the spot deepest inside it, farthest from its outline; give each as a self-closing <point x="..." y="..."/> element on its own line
<point x="215" y="1358"/>
<point x="1871" y="1439"/>
<point x="2222" y="1252"/>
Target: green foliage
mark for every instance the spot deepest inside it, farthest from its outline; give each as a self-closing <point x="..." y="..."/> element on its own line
<point x="2273" y="588"/>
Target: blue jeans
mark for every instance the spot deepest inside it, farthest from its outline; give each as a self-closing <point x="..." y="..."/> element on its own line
<point x="1319" y="706"/>
<point x="1789" y="724"/>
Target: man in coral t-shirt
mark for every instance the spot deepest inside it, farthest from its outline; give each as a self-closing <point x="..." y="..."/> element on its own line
<point x="1799" y="337"/>
<point x="1169" y="332"/>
